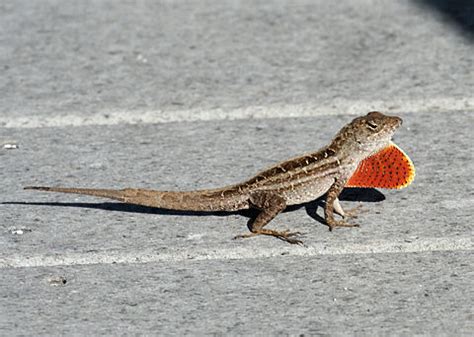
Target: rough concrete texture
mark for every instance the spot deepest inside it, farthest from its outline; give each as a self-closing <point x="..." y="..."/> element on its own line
<point x="96" y="57"/>
<point x="402" y="294"/>
<point x="177" y="95"/>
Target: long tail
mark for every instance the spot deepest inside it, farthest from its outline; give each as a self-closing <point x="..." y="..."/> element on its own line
<point x="203" y="200"/>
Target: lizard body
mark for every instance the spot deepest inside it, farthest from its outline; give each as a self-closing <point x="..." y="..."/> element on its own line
<point x="352" y="157"/>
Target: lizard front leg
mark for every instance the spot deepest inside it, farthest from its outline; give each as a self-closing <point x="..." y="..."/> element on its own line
<point x="333" y="206"/>
<point x="271" y="204"/>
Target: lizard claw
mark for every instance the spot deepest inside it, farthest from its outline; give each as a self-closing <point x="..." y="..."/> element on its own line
<point x="289" y="237"/>
<point x="288" y="234"/>
<point x="354" y="212"/>
<point x="283" y="235"/>
<point x="335" y="224"/>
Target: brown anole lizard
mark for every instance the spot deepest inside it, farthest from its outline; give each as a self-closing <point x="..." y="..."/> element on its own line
<point x="360" y="155"/>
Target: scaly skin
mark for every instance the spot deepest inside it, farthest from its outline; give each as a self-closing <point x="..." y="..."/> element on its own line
<point x="297" y="180"/>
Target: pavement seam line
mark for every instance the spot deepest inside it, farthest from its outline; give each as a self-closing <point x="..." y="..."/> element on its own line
<point x="237" y="253"/>
<point x="335" y="107"/>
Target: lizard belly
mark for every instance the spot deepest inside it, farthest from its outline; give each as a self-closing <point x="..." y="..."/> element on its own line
<point x="308" y="191"/>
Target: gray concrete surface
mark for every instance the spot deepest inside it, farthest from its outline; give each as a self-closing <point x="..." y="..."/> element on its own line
<point x="176" y="95"/>
<point x="95" y="58"/>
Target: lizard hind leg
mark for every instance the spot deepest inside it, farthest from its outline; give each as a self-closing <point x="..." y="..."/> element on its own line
<point x="271" y="204"/>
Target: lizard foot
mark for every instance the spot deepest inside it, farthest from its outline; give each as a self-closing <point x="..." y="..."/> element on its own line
<point x="283" y="235"/>
<point x="334" y="224"/>
<point x="354" y="212"/>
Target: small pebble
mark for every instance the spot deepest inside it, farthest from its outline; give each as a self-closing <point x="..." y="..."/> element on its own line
<point x="10" y="146"/>
<point x="57" y="281"/>
<point x="18" y="231"/>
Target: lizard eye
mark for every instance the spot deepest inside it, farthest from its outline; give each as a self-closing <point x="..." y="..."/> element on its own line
<point x="372" y="125"/>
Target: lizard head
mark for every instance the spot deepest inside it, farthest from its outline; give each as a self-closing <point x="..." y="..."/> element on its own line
<point x="368" y="134"/>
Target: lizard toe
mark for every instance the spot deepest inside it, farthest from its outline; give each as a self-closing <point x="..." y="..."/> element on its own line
<point x="353" y="213"/>
<point x="341" y="224"/>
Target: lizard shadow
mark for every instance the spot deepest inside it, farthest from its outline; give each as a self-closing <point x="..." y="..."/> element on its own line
<point x="121" y="207"/>
<point x="349" y="194"/>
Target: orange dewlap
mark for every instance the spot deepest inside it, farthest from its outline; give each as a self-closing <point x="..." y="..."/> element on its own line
<point x="388" y="168"/>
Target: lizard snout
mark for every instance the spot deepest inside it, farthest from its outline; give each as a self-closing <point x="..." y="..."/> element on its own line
<point x="398" y="120"/>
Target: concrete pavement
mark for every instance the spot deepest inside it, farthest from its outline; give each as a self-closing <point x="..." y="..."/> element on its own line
<point x="171" y="95"/>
